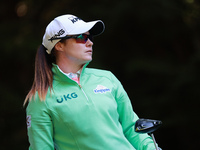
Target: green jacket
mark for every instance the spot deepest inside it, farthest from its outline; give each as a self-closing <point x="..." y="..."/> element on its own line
<point x="95" y="115"/>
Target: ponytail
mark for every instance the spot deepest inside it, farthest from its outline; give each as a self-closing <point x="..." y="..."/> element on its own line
<point x="43" y="77"/>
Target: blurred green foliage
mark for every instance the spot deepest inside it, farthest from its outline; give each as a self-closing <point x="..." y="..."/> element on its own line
<point x="153" y="47"/>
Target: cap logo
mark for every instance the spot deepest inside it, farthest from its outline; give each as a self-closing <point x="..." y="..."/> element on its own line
<point x="59" y="33"/>
<point x="74" y="19"/>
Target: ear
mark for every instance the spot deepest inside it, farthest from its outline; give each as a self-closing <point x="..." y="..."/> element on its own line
<point x="59" y="46"/>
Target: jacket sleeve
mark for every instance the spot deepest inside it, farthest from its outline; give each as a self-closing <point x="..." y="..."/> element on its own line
<point x="39" y="126"/>
<point x="128" y="117"/>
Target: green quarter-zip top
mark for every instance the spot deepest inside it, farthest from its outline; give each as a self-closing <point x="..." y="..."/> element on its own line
<point x="93" y="115"/>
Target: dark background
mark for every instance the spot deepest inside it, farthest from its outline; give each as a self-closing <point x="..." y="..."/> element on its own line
<point x="152" y="46"/>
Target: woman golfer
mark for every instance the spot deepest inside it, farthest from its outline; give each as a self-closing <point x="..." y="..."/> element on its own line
<point x="72" y="107"/>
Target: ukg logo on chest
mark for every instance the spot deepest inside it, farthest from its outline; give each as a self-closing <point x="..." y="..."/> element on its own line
<point x="66" y="97"/>
<point x="101" y="89"/>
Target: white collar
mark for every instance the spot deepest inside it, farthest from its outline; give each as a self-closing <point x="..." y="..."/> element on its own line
<point x="71" y="75"/>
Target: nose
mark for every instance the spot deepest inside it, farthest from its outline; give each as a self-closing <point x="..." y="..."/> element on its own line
<point x="89" y="43"/>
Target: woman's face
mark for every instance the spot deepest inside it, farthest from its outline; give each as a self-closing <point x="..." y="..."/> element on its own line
<point x="79" y="53"/>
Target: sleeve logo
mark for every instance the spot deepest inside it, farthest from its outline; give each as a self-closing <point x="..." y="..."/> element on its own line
<point x="28" y="121"/>
<point x="101" y="89"/>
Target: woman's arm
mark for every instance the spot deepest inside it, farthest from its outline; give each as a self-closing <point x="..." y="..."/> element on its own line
<point x="128" y="117"/>
<point x="39" y="126"/>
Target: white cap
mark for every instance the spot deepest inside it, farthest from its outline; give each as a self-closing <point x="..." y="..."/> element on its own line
<point x="69" y="25"/>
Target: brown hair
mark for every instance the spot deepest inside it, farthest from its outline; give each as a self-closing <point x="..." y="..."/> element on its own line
<point x="43" y="77"/>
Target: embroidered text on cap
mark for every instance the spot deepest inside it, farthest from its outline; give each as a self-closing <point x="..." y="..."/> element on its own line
<point x="59" y="33"/>
<point x="74" y="19"/>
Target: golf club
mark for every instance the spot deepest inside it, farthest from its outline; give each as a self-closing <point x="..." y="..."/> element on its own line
<point x="147" y="126"/>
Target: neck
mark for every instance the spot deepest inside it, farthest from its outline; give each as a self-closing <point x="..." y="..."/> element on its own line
<point x="69" y="67"/>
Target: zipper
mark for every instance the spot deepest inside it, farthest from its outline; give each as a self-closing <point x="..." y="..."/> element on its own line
<point x="80" y="84"/>
<point x="84" y="92"/>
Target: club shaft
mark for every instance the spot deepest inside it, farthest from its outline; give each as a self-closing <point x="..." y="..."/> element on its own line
<point x="151" y="134"/>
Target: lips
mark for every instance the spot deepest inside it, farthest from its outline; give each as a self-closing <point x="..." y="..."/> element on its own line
<point x="89" y="51"/>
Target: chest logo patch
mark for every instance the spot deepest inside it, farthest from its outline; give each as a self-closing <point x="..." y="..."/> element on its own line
<point x="66" y="97"/>
<point x="101" y="89"/>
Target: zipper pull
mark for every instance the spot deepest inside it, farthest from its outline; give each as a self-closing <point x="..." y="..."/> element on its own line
<point x="80" y="86"/>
